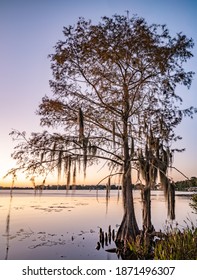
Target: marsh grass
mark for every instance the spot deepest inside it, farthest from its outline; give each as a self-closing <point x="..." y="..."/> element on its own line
<point x="171" y="244"/>
<point x="177" y="244"/>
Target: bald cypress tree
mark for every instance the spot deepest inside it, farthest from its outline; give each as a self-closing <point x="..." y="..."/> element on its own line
<point x="114" y="96"/>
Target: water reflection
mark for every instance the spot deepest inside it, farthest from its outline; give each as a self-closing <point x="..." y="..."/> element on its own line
<point x="8" y="226"/>
<point x="53" y="225"/>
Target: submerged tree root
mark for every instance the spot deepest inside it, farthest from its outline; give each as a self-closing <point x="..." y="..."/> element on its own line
<point x="105" y="238"/>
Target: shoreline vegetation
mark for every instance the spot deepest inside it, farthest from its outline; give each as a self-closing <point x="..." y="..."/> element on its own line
<point x="187" y="185"/>
<point x="86" y="187"/>
<point x="172" y="243"/>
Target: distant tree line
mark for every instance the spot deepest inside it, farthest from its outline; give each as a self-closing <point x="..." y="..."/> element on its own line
<point x="179" y="186"/>
<point x="64" y="187"/>
<point x="184" y="185"/>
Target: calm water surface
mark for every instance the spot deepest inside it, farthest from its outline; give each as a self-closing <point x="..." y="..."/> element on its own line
<point x="56" y="225"/>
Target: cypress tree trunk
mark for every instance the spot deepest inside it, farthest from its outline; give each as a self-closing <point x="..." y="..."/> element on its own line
<point x="146" y="210"/>
<point x="171" y="201"/>
<point x="128" y="229"/>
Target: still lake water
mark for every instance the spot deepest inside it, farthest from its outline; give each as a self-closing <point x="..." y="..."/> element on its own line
<point x="59" y="225"/>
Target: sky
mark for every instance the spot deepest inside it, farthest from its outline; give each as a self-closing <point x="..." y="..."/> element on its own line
<point x="29" y="29"/>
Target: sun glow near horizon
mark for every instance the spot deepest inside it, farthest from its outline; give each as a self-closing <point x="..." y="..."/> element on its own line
<point x="94" y="175"/>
